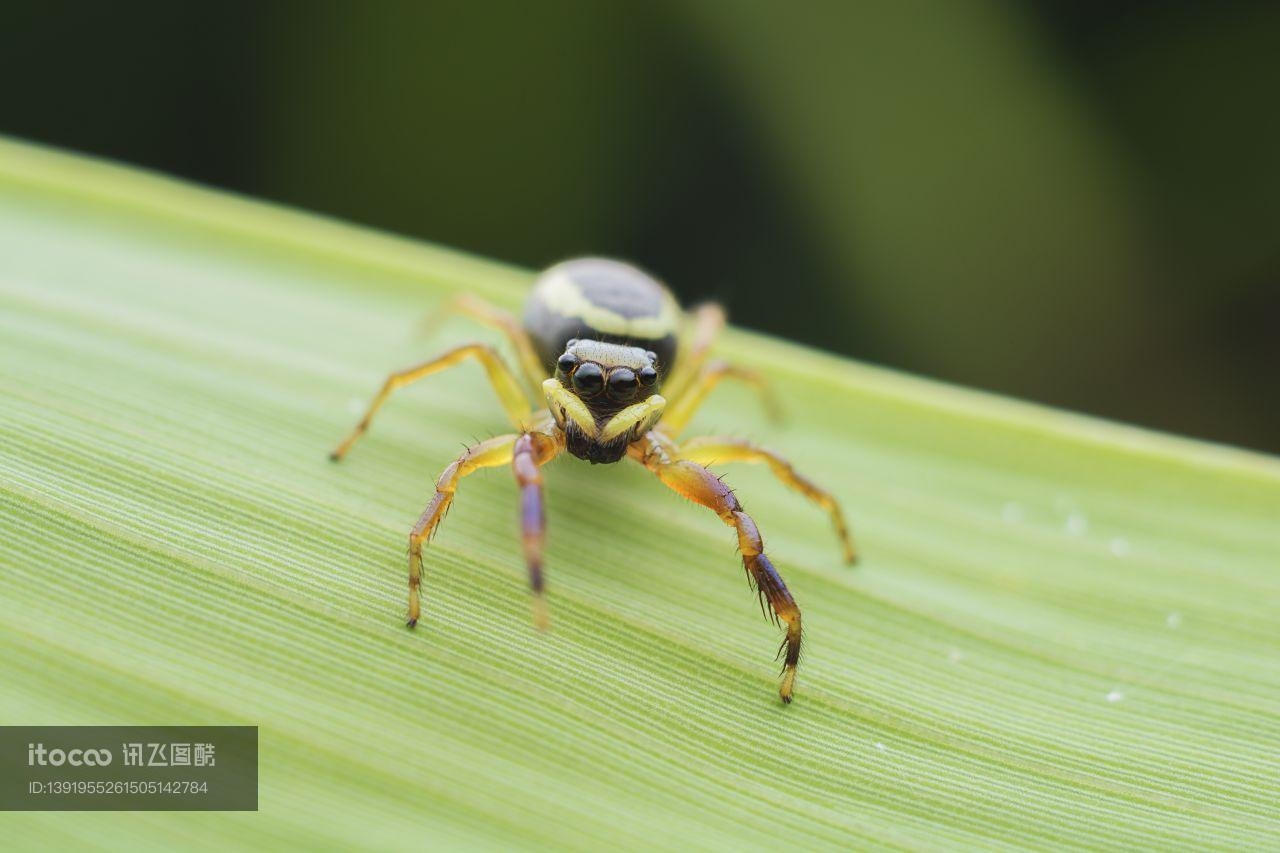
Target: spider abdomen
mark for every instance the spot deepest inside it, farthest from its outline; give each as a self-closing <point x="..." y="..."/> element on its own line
<point x="602" y="300"/>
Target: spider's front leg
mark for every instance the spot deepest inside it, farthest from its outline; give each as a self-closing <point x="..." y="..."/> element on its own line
<point x="486" y="454"/>
<point x="698" y="484"/>
<point x="527" y="452"/>
<point x="532" y="451"/>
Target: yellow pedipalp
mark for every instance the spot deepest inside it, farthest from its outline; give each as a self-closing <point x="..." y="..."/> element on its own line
<point x="564" y="404"/>
<point x="639" y="417"/>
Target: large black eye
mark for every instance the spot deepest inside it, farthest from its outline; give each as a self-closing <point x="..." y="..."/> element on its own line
<point x="567" y="362"/>
<point x="622" y="383"/>
<point x="647" y="376"/>
<point x="588" y="379"/>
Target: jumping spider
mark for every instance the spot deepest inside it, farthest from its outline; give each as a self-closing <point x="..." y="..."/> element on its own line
<point x="598" y="342"/>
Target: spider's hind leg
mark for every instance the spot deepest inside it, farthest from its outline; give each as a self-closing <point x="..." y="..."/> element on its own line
<point x="501" y="378"/>
<point x="485" y="313"/>
<point x="692" y="396"/>
<point x="704" y="324"/>
<point x="694" y="377"/>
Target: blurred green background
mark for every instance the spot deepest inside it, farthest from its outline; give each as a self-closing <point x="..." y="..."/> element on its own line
<point x="1074" y="202"/>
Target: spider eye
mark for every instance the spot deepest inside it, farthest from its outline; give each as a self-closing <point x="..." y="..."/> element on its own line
<point x="622" y="384"/>
<point x="567" y="362"/>
<point x="588" y="379"/>
<point x="647" y="375"/>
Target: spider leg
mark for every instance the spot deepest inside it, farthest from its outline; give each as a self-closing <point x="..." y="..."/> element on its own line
<point x="707" y="321"/>
<point x="486" y="454"/>
<point x="531" y="368"/>
<point x="698" y="484"/>
<point x="691" y="397"/>
<point x="532" y="451"/>
<point x="503" y="380"/>
<point x="709" y="450"/>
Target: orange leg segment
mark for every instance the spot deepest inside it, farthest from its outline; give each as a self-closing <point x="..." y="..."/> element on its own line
<point x="698" y="484"/>
<point x="710" y="450"/>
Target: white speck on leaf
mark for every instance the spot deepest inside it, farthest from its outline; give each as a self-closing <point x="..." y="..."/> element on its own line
<point x="879" y="746"/>
<point x="1173" y="621"/>
<point x="955" y="655"/>
<point x="1077" y="524"/>
<point x="1120" y="547"/>
<point x="1115" y="696"/>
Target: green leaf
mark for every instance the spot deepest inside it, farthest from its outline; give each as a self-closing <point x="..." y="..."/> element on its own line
<point x="1063" y="631"/>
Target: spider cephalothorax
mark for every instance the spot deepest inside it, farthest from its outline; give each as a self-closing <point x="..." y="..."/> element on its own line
<point x="599" y="345"/>
<point x="604" y="396"/>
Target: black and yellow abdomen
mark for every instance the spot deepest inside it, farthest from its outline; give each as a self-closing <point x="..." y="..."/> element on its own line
<point x="602" y="300"/>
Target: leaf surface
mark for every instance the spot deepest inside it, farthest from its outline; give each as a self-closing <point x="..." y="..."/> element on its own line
<point x="1063" y="631"/>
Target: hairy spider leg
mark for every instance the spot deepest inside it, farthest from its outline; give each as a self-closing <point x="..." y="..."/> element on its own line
<point x="711" y="450"/>
<point x="487" y="454"/>
<point x="490" y="315"/>
<point x="503" y="380"/>
<point x="697" y="483"/>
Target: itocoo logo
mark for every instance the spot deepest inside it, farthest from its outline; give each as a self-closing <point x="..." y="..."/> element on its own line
<point x="37" y="754"/>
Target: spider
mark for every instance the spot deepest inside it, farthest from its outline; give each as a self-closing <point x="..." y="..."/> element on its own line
<point x="598" y="342"/>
